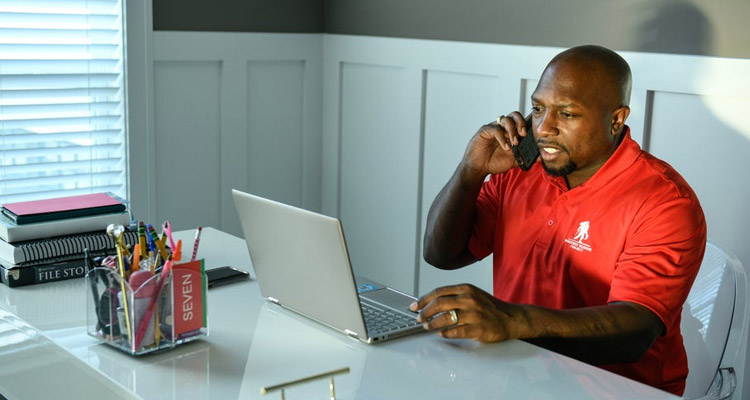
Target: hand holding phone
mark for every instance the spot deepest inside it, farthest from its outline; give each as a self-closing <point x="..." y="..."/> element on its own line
<point x="527" y="151"/>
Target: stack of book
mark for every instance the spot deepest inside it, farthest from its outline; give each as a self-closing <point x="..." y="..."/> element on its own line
<point x="43" y="240"/>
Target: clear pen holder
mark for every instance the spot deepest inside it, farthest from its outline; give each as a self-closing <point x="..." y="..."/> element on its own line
<point x="163" y="311"/>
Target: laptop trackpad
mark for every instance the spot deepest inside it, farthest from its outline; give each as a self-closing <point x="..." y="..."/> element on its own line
<point x="390" y="298"/>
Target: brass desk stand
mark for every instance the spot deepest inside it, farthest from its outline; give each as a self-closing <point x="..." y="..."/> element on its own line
<point x="329" y="374"/>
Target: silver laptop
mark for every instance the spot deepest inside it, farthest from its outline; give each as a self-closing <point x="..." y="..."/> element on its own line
<point x="302" y="263"/>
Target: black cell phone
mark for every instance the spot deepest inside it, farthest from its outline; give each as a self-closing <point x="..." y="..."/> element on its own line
<point x="527" y="151"/>
<point x="225" y="275"/>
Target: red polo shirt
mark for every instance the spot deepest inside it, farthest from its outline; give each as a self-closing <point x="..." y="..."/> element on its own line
<point x="634" y="231"/>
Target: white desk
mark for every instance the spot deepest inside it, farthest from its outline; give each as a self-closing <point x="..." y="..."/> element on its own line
<point x="252" y="344"/>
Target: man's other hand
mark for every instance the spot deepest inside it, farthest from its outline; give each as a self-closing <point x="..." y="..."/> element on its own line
<point x="465" y="311"/>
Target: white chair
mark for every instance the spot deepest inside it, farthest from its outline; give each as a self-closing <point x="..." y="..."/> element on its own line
<point x="714" y="324"/>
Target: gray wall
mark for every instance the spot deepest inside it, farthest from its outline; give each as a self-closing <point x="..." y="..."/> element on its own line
<point x="713" y="28"/>
<point x="291" y="16"/>
<point x="717" y="28"/>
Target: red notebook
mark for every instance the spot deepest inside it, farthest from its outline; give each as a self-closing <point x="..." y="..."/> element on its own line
<point x="26" y="212"/>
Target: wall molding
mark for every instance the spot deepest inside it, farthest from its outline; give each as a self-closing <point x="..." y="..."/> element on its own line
<point x="384" y="122"/>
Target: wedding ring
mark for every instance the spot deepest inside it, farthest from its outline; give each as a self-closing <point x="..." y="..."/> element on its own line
<point x="499" y="119"/>
<point x="454" y="317"/>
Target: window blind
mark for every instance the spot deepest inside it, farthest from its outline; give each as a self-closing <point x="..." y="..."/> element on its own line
<point x="62" y="99"/>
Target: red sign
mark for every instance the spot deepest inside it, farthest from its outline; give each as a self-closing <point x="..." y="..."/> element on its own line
<point x="189" y="299"/>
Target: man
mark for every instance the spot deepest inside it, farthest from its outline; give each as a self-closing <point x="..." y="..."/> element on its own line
<point x="595" y="247"/>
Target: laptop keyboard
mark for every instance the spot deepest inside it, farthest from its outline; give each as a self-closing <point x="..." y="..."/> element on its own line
<point x="381" y="320"/>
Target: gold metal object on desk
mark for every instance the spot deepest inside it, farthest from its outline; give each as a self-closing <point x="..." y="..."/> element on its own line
<point x="329" y="374"/>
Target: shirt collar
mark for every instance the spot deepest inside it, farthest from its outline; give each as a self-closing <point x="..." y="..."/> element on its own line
<point x="623" y="157"/>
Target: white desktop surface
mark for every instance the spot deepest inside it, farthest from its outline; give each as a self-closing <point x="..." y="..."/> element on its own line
<point x="34" y="367"/>
<point x="252" y="344"/>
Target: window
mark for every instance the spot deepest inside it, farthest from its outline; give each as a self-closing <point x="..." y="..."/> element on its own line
<point x="62" y="98"/>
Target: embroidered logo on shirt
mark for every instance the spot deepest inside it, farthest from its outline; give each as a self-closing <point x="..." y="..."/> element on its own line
<point x="582" y="234"/>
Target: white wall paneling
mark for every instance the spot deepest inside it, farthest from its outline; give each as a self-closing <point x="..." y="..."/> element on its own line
<point x="684" y="109"/>
<point x="442" y="93"/>
<point x="712" y="155"/>
<point x="187" y="142"/>
<point x="712" y="151"/>
<point x="454" y="104"/>
<point x="234" y="111"/>
<point x="468" y="84"/>
<point x="139" y="96"/>
<point x="369" y="129"/>
<point x="275" y="112"/>
<point x="379" y="169"/>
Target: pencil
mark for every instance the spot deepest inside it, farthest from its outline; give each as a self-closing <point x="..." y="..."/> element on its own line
<point x="196" y="243"/>
<point x="125" y="294"/>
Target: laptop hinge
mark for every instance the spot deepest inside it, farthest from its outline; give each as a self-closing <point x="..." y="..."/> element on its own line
<point x="273" y="300"/>
<point x="352" y="334"/>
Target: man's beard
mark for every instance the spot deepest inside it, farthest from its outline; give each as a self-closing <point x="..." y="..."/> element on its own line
<point x="565" y="170"/>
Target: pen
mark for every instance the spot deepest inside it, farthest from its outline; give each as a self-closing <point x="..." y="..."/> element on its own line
<point x="196" y="243"/>
<point x="116" y="231"/>
<point x="161" y="245"/>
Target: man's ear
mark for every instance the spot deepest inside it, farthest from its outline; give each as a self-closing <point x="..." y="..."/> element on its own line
<point x="618" y="119"/>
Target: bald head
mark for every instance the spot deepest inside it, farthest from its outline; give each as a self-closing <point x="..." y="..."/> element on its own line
<point x="579" y="109"/>
<point x="601" y="67"/>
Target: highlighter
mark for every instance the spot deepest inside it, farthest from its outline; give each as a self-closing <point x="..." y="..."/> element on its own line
<point x="144" y="285"/>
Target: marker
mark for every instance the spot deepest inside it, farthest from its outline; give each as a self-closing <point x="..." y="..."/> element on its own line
<point x="177" y="253"/>
<point x="168" y="232"/>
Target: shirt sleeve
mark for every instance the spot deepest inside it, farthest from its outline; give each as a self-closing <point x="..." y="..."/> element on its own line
<point x="661" y="257"/>
<point x="485" y="220"/>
